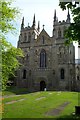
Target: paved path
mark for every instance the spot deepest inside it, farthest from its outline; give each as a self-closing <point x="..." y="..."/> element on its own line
<point x="40" y="98"/>
<point x="8" y="96"/>
<point x="14" y="101"/>
<point x="58" y="110"/>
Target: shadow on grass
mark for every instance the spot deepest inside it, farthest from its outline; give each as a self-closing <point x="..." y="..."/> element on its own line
<point x="63" y="118"/>
<point x="10" y="90"/>
<point x="68" y="117"/>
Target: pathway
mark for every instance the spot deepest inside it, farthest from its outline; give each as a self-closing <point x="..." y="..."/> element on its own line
<point x="58" y="110"/>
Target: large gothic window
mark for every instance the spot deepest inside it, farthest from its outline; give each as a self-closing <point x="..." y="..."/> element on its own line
<point x="24" y="74"/>
<point x="43" y="59"/>
<point x="62" y="73"/>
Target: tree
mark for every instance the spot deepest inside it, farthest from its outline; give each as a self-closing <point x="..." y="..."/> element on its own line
<point x="9" y="53"/>
<point x="73" y="32"/>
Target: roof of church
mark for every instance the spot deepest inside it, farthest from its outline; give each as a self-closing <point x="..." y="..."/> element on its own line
<point x="44" y="32"/>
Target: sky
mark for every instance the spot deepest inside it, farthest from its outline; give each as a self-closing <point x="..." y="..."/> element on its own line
<point x="44" y="12"/>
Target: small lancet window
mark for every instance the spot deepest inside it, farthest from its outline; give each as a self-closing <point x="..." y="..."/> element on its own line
<point x="29" y="37"/>
<point x="24" y="74"/>
<point x="43" y="39"/>
<point x="62" y="73"/>
<point x="59" y="33"/>
<point x="77" y="77"/>
<point x="27" y="57"/>
<point x="25" y="37"/>
<point x="64" y="31"/>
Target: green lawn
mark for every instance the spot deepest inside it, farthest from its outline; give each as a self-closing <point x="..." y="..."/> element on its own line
<point x="13" y="90"/>
<point x="36" y="105"/>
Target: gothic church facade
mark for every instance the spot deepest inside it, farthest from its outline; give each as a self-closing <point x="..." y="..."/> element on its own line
<point x="47" y="62"/>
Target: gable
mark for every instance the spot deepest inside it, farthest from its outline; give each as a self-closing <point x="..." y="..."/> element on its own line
<point x="43" y="38"/>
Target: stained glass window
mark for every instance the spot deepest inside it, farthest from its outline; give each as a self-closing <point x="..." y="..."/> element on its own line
<point x="43" y="59"/>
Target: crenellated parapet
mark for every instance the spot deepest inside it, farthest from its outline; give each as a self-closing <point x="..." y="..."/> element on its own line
<point x="60" y="26"/>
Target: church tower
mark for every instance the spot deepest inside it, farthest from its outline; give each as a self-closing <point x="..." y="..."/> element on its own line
<point x="64" y="57"/>
<point x="60" y="26"/>
<point x="28" y="34"/>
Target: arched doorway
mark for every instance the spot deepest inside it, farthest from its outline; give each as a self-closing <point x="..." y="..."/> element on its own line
<point x="42" y="85"/>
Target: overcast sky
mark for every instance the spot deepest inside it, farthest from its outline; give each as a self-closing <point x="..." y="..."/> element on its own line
<point x="44" y="12"/>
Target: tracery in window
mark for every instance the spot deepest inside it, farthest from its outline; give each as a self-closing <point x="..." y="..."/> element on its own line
<point x="43" y="58"/>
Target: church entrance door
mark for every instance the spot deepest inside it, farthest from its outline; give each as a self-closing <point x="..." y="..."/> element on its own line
<point x="42" y="85"/>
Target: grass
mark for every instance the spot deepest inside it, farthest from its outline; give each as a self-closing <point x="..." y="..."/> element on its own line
<point x="14" y="91"/>
<point x="30" y="107"/>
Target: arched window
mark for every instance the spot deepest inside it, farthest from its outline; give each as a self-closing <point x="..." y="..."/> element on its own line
<point x="43" y="59"/>
<point x="64" y="31"/>
<point x="43" y="39"/>
<point x="25" y="37"/>
<point x="59" y="33"/>
<point x="29" y="37"/>
<point x="77" y="77"/>
<point x="24" y="74"/>
<point x="62" y="74"/>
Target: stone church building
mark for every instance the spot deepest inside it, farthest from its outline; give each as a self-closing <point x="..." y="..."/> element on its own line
<point x="47" y="62"/>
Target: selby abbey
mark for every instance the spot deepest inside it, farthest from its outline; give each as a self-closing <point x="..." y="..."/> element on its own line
<point x="47" y="62"/>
